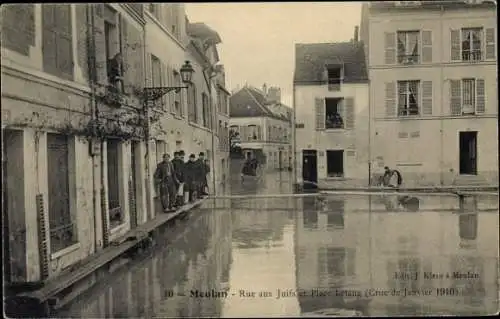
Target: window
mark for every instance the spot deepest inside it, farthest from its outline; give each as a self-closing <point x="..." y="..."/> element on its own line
<point x="467" y="96"/>
<point x="205" y="110"/>
<point x="191" y="101"/>
<point x="113" y="63"/>
<point x="57" y="46"/>
<point x="18" y="27"/>
<point x="219" y="101"/>
<point x="408" y="99"/>
<point x="334" y="78"/>
<point x="269" y="134"/>
<point x="333" y="113"/>
<point x="178" y="105"/>
<point x="62" y="224"/>
<point x="471" y="44"/>
<point x="335" y="163"/>
<point x="116" y="216"/>
<point x="408" y="50"/>
<point x="156" y="75"/>
<point x="253" y="133"/>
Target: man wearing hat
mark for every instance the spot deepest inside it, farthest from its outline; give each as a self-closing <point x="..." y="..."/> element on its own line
<point x="178" y="164"/>
<point x="202" y="170"/>
<point x="165" y="178"/>
<point x="190" y="171"/>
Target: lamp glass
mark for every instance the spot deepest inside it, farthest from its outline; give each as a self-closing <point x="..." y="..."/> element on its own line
<point x="187" y="72"/>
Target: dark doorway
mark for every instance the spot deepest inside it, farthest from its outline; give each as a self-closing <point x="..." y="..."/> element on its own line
<point x="335" y="163"/>
<point x="310" y="169"/>
<point x="468" y="153"/>
<point x="132" y="187"/>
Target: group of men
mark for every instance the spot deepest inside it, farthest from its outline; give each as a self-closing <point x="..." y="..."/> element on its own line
<point x="179" y="181"/>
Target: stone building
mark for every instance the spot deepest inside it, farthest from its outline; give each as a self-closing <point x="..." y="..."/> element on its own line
<point x="433" y="89"/>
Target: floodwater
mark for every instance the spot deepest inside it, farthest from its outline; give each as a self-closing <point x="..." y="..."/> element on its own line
<point x="337" y="254"/>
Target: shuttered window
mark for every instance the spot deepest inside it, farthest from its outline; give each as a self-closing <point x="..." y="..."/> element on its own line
<point x="320" y="113"/>
<point x="204" y="102"/>
<point x="427" y="97"/>
<point x="408" y="47"/>
<point x="408" y="98"/>
<point x="390" y="47"/>
<point x="156" y="70"/>
<point x="472" y="44"/>
<point x="426" y="46"/>
<point x="191" y="101"/>
<point x="390" y="99"/>
<point x="18" y="27"/>
<point x="63" y="231"/>
<point x="467" y="97"/>
<point x="349" y="113"/>
<point x="83" y="45"/>
<point x="57" y="47"/>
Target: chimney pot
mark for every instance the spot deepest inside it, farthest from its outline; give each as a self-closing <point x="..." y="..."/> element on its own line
<point x="356" y="33"/>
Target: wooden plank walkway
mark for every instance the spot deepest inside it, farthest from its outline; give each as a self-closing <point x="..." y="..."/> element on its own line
<point x="131" y="239"/>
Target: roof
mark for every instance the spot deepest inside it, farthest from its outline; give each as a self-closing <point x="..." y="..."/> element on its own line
<point x="422" y="5"/>
<point x="251" y="102"/>
<point x="311" y="59"/>
<point x="205" y="33"/>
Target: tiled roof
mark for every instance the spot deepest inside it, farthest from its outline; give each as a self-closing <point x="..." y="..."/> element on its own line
<point x="250" y="102"/>
<point x="310" y="61"/>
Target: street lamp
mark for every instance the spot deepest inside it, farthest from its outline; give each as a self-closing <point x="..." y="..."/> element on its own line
<point x="151" y="94"/>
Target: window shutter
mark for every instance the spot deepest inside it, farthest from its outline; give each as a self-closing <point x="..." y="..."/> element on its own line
<point x="65" y="60"/>
<point x="49" y="46"/>
<point x="455" y="97"/>
<point x="18" y="27"/>
<point x="340" y="109"/>
<point x="390" y="99"/>
<point x="390" y="47"/>
<point x="171" y="82"/>
<point x="427" y="97"/>
<point x="161" y="82"/>
<point x="480" y="96"/>
<point x="135" y="56"/>
<point x="100" y="44"/>
<point x="490" y="43"/>
<point x="82" y="38"/>
<point x="320" y="113"/>
<point x="259" y="132"/>
<point x="349" y="113"/>
<point x="125" y="53"/>
<point x="427" y="46"/>
<point x="455" y="45"/>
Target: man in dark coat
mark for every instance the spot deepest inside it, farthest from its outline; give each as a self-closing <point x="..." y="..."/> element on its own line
<point x="190" y="179"/>
<point x="178" y="164"/>
<point x="165" y="178"/>
<point x="202" y="170"/>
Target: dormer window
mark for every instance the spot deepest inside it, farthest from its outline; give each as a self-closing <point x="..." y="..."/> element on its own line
<point x="334" y="77"/>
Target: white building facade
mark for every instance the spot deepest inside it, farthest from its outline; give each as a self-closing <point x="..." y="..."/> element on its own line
<point x="433" y="90"/>
<point x="331" y="114"/>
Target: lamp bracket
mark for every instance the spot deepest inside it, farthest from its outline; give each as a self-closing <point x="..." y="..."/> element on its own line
<point x="154" y="93"/>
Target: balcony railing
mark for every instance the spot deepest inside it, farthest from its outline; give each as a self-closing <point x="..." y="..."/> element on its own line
<point x="474" y="55"/>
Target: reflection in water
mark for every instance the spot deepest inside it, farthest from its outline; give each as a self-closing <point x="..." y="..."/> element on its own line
<point x="334" y="249"/>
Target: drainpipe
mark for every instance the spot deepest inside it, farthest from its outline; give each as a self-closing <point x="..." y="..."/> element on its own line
<point x="208" y="80"/>
<point x="147" y="137"/>
<point x="294" y="142"/>
<point x="441" y="123"/>
<point x="91" y="68"/>
<point x="369" y="134"/>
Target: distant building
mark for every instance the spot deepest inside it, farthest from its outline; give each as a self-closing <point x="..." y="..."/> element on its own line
<point x="260" y="124"/>
<point x="433" y="89"/>
<point x="331" y="113"/>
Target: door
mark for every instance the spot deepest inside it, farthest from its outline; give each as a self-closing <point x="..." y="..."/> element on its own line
<point x="310" y="169"/>
<point x="335" y="163"/>
<point x="468" y="153"/>
<point x="132" y="186"/>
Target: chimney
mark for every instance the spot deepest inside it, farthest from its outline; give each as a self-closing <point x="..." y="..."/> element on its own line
<point x="264" y="89"/>
<point x="274" y="95"/>
<point x="356" y="33"/>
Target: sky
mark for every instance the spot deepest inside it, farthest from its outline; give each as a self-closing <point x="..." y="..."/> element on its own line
<point x="258" y="39"/>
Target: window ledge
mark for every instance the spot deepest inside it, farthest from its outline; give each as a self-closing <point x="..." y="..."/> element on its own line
<point x="65" y="251"/>
<point x="335" y="179"/>
<point x="199" y="126"/>
<point x="437" y="117"/>
<point x="117" y="229"/>
<point x="329" y="130"/>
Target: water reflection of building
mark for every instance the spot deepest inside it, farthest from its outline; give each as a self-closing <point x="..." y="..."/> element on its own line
<point x="326" y="251"/>
<point x="197" y="260"/>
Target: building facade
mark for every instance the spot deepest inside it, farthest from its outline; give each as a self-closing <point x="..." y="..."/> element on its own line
<point x="433" y="90"/>
<point x="263" y="125"/>
<point x="79" y="147"/>
<point x="331" y="114"/>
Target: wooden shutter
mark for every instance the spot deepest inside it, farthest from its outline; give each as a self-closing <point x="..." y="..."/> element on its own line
<point x="49" y="46"/>
<point x="18" y="27"/>
<point x="82" y="27"/>
<point x="390" y="99"/>
<point x="320" y="113"/>
<point x="99" y="47"/>
<point x="349" y="113"/>
<point x="427" y="97"/>
<point x="455" y="97"/>
<point x="65" y="62"/>
<point x="135" y="56"/>
<point x="480" y="96"/>
<point x="490" y="43"/>
<point x="124" y="49"/>
<point x="426" y="46"/>
<point x="455" y="45"/>
<point x="162" y="81"/>
<point x="390" y="47"/>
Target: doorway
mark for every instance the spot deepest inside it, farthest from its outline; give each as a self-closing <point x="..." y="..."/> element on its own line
<point x="468" y="153"/>
<point x="335" y="163"/>
<point x="310" y="169"/>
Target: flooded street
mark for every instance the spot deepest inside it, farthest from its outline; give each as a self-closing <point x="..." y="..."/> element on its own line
<point x="294" y="256"/>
